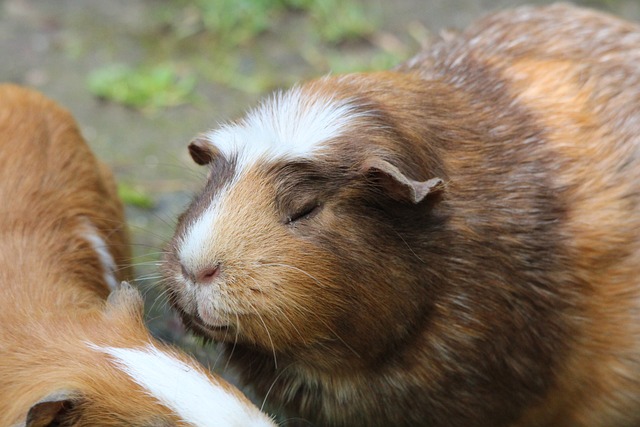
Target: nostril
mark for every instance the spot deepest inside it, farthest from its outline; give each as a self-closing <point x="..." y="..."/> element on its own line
<point x="207" y="275"/>
<point x="187" y="274"/>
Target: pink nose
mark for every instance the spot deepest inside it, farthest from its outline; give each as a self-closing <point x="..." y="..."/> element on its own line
<point x="207" y="275"/>
<point x="202" y="276"/>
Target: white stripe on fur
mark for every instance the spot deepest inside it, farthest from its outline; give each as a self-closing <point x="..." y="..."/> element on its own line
<point x="196" y="247"/>
<point x="185" y="389"/>
<point x="92" y="235"/>
<point x="291" y="124"/>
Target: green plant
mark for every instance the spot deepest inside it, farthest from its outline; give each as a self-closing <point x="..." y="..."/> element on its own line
<point x="338" y="21"/>
<point x="340" y="64"/>
<point x="236" y="22"/>
<point x="146" y="88"/>
<point x="134" y="196"/>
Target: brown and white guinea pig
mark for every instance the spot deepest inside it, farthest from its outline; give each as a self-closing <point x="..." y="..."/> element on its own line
<point x="68" y="356"/>
<point x="455" y="242"/>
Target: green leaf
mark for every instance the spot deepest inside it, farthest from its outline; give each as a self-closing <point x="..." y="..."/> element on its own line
<point x="149" y="88"/>
<point x="134" y="196"/>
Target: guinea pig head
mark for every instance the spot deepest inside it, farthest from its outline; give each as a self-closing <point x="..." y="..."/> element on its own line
<point x="126" y="378"/>
<point x="302" y="236"/>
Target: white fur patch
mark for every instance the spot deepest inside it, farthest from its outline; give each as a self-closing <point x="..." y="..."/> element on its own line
<point x="184" y="388"/>
<point x="195" y="244"/>
<point x="291" y="124"/>
<point x="92" y="235"/>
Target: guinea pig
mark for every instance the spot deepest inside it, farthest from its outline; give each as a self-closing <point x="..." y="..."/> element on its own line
<point x="71" y="354"/>
<point x="454" y="242"/>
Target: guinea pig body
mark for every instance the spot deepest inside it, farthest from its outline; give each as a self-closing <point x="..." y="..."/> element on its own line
<point x="71" y="352"/>
<point x="451" y="243"/>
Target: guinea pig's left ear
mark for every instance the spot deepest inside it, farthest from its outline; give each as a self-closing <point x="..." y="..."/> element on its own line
<point x="50" y="411"/>
<point x="202" y="150"/>
<point x="125" y="299"/>
<point x="397" y="185"/>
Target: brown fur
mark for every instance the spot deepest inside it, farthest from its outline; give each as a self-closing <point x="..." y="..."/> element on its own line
<point x="53" y="298"/>
<point x="511" y="297"/>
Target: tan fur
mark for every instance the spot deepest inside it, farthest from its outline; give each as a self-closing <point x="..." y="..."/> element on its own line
<point x="52" y="291"/>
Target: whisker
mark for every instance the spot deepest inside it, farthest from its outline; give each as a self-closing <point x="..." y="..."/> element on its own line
<point x="219" y="354"/>
<point x="282" y="313"/>
<point x="272" y="264"/>
<point x="273" y="348"/>
<point x="135" y="228"/>
<point x="149" y="254"/>
<point x="164" y="295"/>
<point x="297" y="419"/>
<point x="273" y="383"/>
<point x="309" y="311"/>
<point x="409" y="247"/>
<point x="341" y="340"/>
<point x="235" y="341"/>
<point x="147" y="277"/>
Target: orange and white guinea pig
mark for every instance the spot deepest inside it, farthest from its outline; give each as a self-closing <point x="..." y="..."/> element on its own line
<point x="70" y="355"/>
<point x="455" y="242"/>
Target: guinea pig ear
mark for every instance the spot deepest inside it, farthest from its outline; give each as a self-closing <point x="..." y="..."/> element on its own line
<point x="125" y="298"/>
<point x="202" y="150"/>
<point x="397" y="185"/>
<point x="50" y="411"/>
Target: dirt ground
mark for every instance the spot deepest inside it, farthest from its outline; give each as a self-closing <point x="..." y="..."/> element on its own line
<point x="53" y="45"/>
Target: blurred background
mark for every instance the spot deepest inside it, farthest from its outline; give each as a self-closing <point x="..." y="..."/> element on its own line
<point x="142" y="77"/>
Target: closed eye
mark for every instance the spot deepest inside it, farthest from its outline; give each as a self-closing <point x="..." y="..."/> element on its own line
<point x="306" y="212"/>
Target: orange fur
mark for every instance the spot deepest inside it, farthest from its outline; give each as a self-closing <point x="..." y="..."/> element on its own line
<point x="52" y="289"/>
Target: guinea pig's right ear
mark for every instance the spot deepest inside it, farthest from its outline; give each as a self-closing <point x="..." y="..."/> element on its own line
<point x="125" y="299"/>
<point x="399" y="186"/>
<point x="202" y="150"/>
<point x="51" y="410"/>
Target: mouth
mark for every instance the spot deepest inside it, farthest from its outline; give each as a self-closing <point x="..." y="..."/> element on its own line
<point x="198" y="327"/>
<point x="195" y="324"/>
<point x="211" y="330"/>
